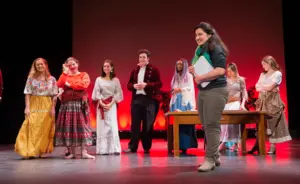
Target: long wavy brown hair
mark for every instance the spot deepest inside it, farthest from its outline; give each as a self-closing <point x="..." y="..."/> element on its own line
<point x="272" y="62"/>
<point x="214" y="40"/>
<point x="34" y="73"/>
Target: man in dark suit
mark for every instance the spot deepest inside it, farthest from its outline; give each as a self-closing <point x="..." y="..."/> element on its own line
<point x="144" y="83"/>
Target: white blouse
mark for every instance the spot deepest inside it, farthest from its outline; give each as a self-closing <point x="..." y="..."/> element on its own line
<point x="105" y="88"/>
<point x="276" y="78"/>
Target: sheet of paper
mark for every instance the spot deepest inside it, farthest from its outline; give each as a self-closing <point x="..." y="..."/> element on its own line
<point x="202" y="66"/>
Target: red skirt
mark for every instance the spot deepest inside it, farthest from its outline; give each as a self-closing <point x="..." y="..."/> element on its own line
<point x="73" y="124"/>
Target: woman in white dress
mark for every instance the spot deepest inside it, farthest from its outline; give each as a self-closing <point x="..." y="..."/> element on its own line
<point x="236" y="101"/>
<point x="269" y="100"/>
<point x="107" y="93"/>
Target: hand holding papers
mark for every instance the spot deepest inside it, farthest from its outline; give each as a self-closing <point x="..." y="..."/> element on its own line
<point x="202" y="66"/>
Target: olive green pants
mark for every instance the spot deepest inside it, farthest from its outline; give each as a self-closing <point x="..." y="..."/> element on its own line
<point x="211" y="104"/>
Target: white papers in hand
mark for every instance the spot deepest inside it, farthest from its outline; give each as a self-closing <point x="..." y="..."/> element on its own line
<point x="202" y="66"/>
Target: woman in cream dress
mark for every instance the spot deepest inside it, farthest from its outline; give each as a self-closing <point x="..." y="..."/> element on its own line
<point x="107" y="93"/>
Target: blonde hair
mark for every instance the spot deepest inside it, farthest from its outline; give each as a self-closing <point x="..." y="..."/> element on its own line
<point x="33" y="73"/>
<point x="233" y="67"/>
<point x="272" y="62"/>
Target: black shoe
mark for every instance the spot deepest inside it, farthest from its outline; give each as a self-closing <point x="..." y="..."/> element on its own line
<point x="253" y="150"/>
<point x="146" y="151"/>
<point x="67" y="152"/>
<point x="104" y="154"/>
<point x="129" y="151"/>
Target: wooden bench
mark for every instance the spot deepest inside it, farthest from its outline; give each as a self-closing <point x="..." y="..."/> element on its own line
<point x="237" y="117"/>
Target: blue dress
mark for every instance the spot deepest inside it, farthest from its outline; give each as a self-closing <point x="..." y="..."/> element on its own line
<point x="187" y="133"/>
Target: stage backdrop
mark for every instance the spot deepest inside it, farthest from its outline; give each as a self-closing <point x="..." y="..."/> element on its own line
<point x="116" y="30"/>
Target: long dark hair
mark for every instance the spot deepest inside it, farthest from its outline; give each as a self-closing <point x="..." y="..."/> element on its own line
<point x="112" y="72"/>
<point x="214" y="40"/>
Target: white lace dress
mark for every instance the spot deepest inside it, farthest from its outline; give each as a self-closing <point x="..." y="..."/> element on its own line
<point x="108" y="141"/>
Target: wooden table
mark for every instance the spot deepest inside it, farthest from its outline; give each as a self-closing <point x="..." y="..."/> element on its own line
<point x="237" y="117"/>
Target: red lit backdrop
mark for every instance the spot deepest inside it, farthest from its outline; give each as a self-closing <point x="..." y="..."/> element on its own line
<point x="116" y="30"/>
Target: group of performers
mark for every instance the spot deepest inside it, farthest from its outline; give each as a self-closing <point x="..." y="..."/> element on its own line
<point x="41" y="131"/>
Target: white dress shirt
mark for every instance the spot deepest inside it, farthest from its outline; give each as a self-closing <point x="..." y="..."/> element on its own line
<point x="141" y="76"/>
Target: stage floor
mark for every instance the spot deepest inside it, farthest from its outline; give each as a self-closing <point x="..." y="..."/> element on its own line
<point x="157" y="166"/>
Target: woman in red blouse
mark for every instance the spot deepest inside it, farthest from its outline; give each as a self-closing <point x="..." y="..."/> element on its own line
<point x="72" y="126"/>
